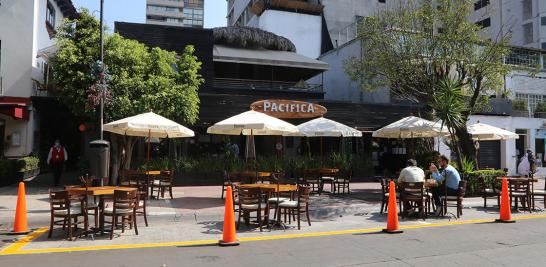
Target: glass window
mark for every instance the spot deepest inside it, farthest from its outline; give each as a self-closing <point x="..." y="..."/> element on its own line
<point x="481" y="3"/>
<point x="50" y="14"/>
<point x="484" y="23"/>
<point x="543" y="21"/>
<point x="543" y="46"/>
<point x="528" y="33"/>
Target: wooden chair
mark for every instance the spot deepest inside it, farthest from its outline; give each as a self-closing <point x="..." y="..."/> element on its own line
<point x="251" y="200"/>
<point x="298" y="206"/>
<point x="277" y="197"/>
<point x="142" y="189"/>
<point x="132" y="177"/>
<point x="163" y="181"/>
<point x="539" y="193"/>
<point x="61" y="207"/>
<point x="225" y="182"/>
<point x="385" y="182"/>
<point x="125" y="204"/>
<point x="342" y="181"/>
<point x="89" y="208"/>
<point x="489" y="190"/>
<point x="520" y="189"/>
<point x="312" y="179"/>
<point x="454" y="201"/>
<point x="412" y="195"/>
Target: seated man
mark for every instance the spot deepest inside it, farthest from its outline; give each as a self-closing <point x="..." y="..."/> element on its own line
<point x="451" y="177"/>
<point x="411" y="173"/>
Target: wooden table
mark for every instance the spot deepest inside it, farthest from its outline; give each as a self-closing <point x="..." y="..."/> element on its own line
<point x="251" y="175"/>
<point x="430" y="183"/>
<point x="99" y="191"/>
<point x="271" y="187"/>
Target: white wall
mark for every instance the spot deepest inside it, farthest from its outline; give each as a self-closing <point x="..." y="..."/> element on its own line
<point x="302" y="29"/>
<point x="23" y="33"/>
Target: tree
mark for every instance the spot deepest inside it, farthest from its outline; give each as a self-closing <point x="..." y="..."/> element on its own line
<point x="412" y="46"/>
<point x="140" y="79"/>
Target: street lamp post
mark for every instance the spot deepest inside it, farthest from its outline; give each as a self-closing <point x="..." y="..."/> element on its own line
<point x="101" y="123"/>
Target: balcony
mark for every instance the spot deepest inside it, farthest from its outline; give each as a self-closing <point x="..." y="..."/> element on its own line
<point x="261" y="85"/>
<point x="298" y="6"/>
<point x="498" y="107"/>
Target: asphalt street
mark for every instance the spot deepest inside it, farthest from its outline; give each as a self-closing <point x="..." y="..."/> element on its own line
<point x="483" y="244"/>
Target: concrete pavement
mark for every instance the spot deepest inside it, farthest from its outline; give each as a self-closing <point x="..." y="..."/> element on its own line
<point x="482" y="244"/>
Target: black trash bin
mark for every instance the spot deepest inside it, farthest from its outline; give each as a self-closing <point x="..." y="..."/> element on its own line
<point x="99" y="159"/>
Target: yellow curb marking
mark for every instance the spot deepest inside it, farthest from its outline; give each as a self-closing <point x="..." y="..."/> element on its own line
<point x="16" y="248"/>
<point x="19" y="244"/>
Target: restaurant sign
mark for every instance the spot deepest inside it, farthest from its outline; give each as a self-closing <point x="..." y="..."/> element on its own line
<point x="288" y="109"/>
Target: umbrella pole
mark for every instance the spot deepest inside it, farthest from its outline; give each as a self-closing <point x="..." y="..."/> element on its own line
<point x="148" y="157"/>
<point x="321" y="152"/>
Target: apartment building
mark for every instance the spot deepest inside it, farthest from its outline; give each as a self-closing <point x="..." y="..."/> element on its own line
<point x="27" y="29"/>
<point x="186" y="13"/>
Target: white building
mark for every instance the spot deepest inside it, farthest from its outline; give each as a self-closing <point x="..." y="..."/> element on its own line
<point x="525" y="20"/>
<point x="186" y="13"/>
<point x="299" y="21"/>
<point x="26" y="31"/>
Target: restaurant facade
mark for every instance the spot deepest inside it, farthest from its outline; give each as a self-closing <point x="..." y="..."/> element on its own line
<point x="239" y="78"/>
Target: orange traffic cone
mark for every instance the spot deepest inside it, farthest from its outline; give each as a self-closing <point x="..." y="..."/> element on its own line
<point x="228" y="238"/>
<point x="392" y="216"/>
<point x="20" y="224"/>
<point x="505" y="213"/>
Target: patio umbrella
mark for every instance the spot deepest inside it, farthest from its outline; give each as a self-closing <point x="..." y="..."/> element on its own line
<point x="486" y="132"/>
<point x="411" y="127"/>
<point x="322" y="127"/>
<point x="252" y="123"/>
<point x="148" y="125"/>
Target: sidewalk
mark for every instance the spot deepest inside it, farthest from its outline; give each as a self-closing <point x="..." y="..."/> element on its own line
<point x="196" y="214"/>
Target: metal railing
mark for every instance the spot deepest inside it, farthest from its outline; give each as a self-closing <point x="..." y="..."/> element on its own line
<point x="262" y="85"/>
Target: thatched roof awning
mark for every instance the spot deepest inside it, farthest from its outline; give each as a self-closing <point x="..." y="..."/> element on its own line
<point x="222" y="53"/>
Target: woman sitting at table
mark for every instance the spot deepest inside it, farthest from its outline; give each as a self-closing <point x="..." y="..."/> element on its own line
<point x="451" y="177"/>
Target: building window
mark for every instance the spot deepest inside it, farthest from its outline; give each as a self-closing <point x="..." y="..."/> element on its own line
<point x="382" y="1"/>
<point x="480" y="4"/>
<point x="527" y="9"/>
<point x="543" y="45"/>
<point x="484" y="23"/>
<point x="543" y="21"/>
<point x="528" y="33"/>
<point x="524" y="58"/>
<point x="50" y="15"/>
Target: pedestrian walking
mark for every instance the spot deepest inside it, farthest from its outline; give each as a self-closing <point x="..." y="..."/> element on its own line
<point x="56" y="158"/>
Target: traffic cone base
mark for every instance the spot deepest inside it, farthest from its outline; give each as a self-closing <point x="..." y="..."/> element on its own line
<point x="392" y="213"/>
<point x="504" y="221"/>
<point x="392" y="231"/>
<point x="228" y="244"/>
<point x="228" y="235"/>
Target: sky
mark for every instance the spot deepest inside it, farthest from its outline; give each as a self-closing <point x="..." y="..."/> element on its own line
<point x="135" y="11"/>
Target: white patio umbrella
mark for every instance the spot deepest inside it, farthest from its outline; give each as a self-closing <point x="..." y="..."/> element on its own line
<point x="412" y="127"/>
<point x="252" y="123"/>
<point x="148" y="125"/>
<point x="322" y="127"/>
<point x="486" y="132"/>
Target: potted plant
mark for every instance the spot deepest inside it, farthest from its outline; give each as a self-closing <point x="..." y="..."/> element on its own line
<point x="540" y="110"/>
<point x="28" y="167"/>
<point x="520" y="108"/>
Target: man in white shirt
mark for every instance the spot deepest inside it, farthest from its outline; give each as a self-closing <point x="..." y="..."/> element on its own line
<point x="411" y="173"/>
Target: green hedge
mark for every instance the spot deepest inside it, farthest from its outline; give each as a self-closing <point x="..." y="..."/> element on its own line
<point x="358" y="164"/>
<point x="474" y="179"/>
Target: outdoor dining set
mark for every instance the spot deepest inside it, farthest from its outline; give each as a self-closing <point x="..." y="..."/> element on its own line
<point x="120" y="203"/>
<point x="259" y="192"/>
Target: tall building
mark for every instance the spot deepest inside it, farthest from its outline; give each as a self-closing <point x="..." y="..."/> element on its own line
<point x="525" y="20"/>
<point x="27" y="29"/>
<point x="186" y="13"/>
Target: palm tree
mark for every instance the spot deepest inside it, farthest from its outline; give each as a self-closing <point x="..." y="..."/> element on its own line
<point x="449" y="104"/>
